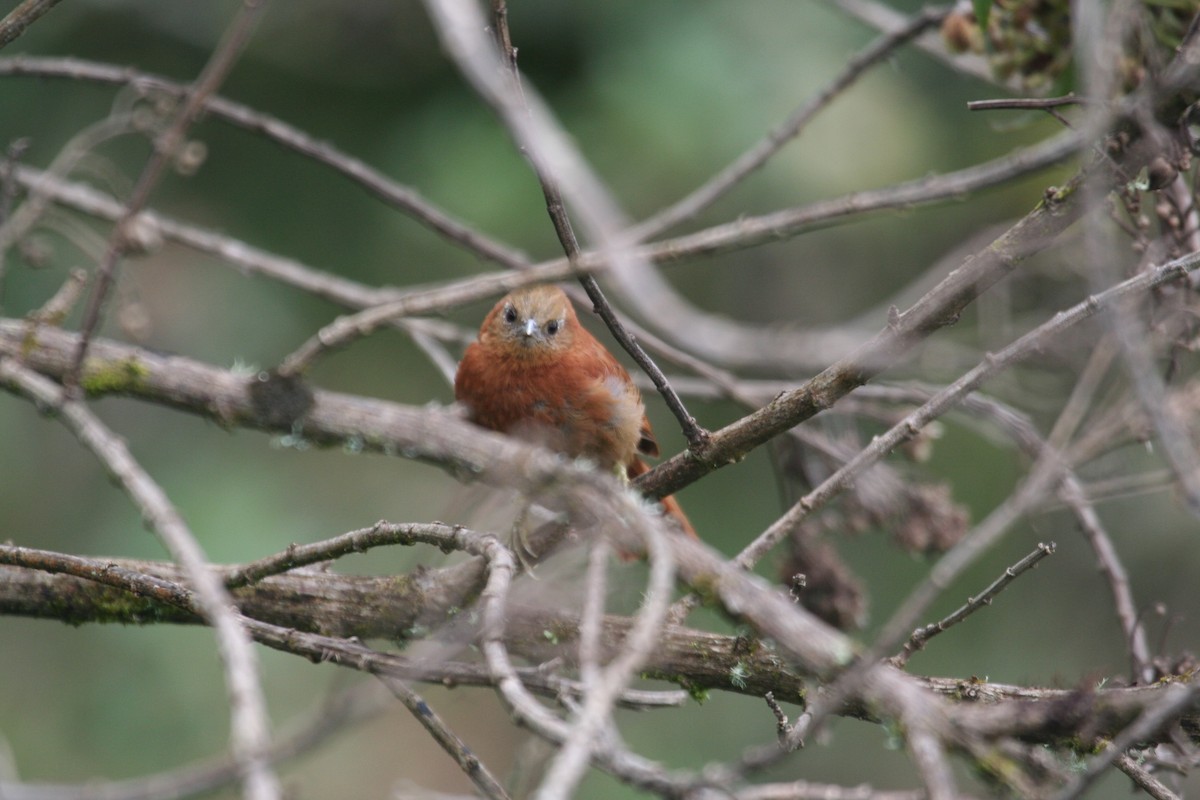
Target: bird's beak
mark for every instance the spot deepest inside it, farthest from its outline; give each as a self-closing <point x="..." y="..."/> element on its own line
<point x="531" y="327"/>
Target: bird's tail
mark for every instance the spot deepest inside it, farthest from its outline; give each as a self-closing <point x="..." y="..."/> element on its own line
<point x="669" y="503"/>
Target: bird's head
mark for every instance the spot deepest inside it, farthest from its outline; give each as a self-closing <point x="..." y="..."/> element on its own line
<point x="537" y="320"/>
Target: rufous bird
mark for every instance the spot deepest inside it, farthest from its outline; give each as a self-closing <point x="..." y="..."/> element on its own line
<point x="536" y="373"/>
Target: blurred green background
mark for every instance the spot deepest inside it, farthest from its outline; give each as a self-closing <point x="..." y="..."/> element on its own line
<point x="658" y="95"/>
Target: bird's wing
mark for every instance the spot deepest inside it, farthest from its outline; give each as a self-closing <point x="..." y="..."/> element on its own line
<point x="604" y="367"/>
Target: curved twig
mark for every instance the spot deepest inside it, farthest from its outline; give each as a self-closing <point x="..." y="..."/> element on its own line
<point x="751" y="160"/>
<point x="402" y="197"/>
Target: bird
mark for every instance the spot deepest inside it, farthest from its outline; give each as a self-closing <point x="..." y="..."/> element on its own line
<point x="536" y="373"/>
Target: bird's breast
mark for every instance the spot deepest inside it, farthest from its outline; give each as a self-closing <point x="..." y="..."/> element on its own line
<point x="555" y="404"/>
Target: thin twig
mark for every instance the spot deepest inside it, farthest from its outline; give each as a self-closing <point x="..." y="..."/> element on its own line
<point x="587" y="729"/>
<point x="60" y="304"/>
<point x="351" y="327"/>
<point x="381" y="534"/>
<point x="785" y="223"/>
<point x="1144" y="780"/>
<point x="433" y="348"/>
<point x="448" y="740"/>
<point x="1070" y="492"/>
<point x="882" y="17"/>
<point x="399" y="196"/>
<point x="1038" y="103"/>
<point x="8" y="194"/>
<point x="1121" y="487"/>
<point x="165" y="146"/>
<point x="921" y="636"/>
<point x="952" y="394"/>
<point x="1045" y="474"/>
<point x="250" y="732"/>
<point x="939" y="307"/>
<point x="697" y="436"/>
<point x="735" y="344"/>
<point x="782" y="728"/>
<point x="20" y="18"/>
<point x="809" y="790"/>
<point x="330" y="717"/>
<point x="708" y="335"/>
<point x="751" y="160"/>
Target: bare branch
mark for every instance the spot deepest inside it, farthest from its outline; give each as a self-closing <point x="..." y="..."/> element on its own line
<point x="731" y="344"/>
<point x="1043" y="477"/>
<point x="542" y="643"/>
<point x="808" y="790"/>
<point x="888" y="20"/>
<point x="404" y="198"/>
<point x="475" y="769"/>
<point x="1176" y="698"/>
<point x="249" y="720"/>
<point x="606" y="685"/>
<point x="8" y="195"/>
<point x="60" y="304"/>
<point x="1070" y="491"/>
<point x="704" y="660"/>
<point x="1039" y="103"/>
<point x="945" y="399"/>
<point x="20" y="18"/>
<point x="1099" y="78"/>
<point x="939" y="307"/>
<point x="165" y="147"/>
<point x="381" y="534"/>
<point x="1144" y="780"/>
<point x="922" y="635"/>
<point x="789" y="129"/>
<point x="742" y="344"/>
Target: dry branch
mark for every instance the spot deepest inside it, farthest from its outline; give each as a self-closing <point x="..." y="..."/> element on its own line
<point x="327" y="615"/>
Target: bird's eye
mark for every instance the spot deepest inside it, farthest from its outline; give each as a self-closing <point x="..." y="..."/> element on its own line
<point x="553" y="326"/>
<point x="510" y="315"/>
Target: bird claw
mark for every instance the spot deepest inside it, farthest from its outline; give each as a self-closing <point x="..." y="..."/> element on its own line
<point x="526" y="558"/>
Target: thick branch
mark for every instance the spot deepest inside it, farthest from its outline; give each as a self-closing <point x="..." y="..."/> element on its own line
<point x="345" y="606"/>
<point x="938" y="308"/>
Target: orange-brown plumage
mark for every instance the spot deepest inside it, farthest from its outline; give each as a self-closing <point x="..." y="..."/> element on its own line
<point x="535" y="372"/>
